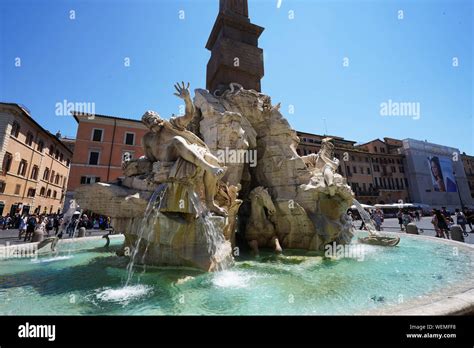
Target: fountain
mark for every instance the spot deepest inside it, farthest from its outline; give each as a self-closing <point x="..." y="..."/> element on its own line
<point x="187" y="216"/>
<point x="223" y="178"/>
<point x="304" y="199"/>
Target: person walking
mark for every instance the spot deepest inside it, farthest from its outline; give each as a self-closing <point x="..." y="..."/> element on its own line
<point x="30" y="227"/>
<point x="441" y="223"/>
<point x="378" y="219"/>
<point x="6" y="222"/>
<point x="417" y="215"/>
<point x="406" y="219"/>
<point x="400" y="219"/>
<point x="22" y="227"/>
<point x="461" y="221"/>
<point x="56" y="224"/>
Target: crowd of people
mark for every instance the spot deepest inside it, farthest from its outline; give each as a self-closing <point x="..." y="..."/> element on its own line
<point x="52" y="224"/>
<point x="442" y="220"/>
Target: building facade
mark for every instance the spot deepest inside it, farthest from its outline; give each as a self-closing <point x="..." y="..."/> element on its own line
<point x="34" y="164"/>
<point x="101" y="144"/>
<point x="468" y="163"/>
<point x="436" y="175"/>
<point x="374" y="170"/>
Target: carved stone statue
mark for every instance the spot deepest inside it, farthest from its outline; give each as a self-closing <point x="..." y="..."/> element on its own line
<point x="324" y="162"/>
<point x="169" y="141"/>
<point x="260" y="231"/>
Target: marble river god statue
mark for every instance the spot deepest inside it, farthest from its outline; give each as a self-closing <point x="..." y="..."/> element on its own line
<point x="204" y="192"/>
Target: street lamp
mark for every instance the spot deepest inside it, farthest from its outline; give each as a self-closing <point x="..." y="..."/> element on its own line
<point x="459" y="191"/>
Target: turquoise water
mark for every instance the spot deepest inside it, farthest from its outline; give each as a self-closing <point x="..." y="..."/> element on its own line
<point x="90" y="281"/>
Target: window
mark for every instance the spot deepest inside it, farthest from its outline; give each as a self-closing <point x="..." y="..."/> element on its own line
<point x="46" y="174"/>
<point x="368" y="170"/>
<point x="85" y="180"/>
<point x="56" y="156"/>
<point x="15" y="129"/>
<point x="52" y="176"/>
<point x="401" y="169"/>
<point x="130" y="138"/>
<point x="348" y="170"/>
<point x="382" y="150"/>
<point x="31" y="192"/>
<point x="94" y="158"/>
<point x="97" y="134"/>
<point x="55" y="194"/>
<point x="352" y="158"/>
<point x="7" y="162"/>
<point x="361" y="170"/>
<point x="354" y="170"/>
<point x="48" y="194"/>
<point x="68" y="162"/>
<point x="56" y="180"/>
<point x="40" y="146"/>
<point x="2" y="186"/>
<point x="375" y="149"/>
<point x="61" y="156"/>
<point x="17" y="189"/>
<point x="34" y="172"/>
<point x="29" y="139"/>
<point x="22" y="168"/>
<point x="51" y="150"/>
<point x="394" y="170"/>
<point x="42" y="191"/>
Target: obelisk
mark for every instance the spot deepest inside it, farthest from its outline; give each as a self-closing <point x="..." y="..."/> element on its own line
<point x="235" y="55"/>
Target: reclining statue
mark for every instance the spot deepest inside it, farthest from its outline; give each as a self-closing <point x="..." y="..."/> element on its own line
<point x="169" y="141"/>
<point x="325" y="163"/>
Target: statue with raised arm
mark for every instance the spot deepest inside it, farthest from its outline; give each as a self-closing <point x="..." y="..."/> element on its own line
<point x="325" y="163"/>
<point x="168" y="141"/>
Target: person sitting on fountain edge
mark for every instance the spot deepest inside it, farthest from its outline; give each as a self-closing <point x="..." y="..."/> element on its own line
<point x="169" y="140"/>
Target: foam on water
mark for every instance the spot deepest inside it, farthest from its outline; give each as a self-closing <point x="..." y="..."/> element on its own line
<point x="123" y="295"/>
<point x="232" y="279"/>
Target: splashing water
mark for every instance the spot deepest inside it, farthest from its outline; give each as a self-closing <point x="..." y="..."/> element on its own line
<point x="123" y="295"/>
<point x="152" y="207"/>
<point x="364" y="215"/>
<point x="217" y="246"/>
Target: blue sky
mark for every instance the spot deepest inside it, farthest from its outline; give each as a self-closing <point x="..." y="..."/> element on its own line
<point x="403" y="60"/>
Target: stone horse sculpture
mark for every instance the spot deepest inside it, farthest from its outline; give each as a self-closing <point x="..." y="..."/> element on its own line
<point x="260" y="231"/>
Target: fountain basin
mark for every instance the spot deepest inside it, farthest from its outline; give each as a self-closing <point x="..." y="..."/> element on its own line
<point x="422" y="275"/>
